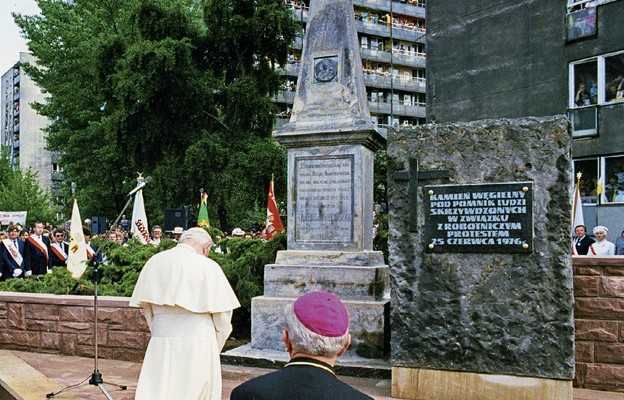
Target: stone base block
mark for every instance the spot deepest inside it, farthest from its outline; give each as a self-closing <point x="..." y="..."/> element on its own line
<point x="421" y="384"/>
<point x="346" y="282"/>
<point x="368" y="325"/>
<point x="323" y="258"/>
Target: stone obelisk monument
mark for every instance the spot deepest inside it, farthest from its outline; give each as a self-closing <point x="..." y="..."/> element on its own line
<point x="331" y="142"/>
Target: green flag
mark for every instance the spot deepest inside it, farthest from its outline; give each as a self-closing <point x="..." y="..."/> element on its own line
<point x="202" y="219"/>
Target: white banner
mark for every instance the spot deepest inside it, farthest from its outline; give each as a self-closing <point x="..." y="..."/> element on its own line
<point x="13" y="217"/>
<point x="139" y="227"/>
<point x="77" y="255"/>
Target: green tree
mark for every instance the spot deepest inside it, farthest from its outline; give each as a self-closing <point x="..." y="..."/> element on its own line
<point x="177" y="89"/>
<point x="21" y="191"/>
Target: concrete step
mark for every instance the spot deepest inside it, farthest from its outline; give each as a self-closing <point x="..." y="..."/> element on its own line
<point x="20" y="381"/>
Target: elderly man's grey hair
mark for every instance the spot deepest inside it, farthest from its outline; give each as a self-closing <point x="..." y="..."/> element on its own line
<point x="196" y="235"/>
<point x="305" y="341"/>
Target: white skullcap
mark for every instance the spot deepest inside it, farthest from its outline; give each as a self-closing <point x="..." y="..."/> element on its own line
<point x="600" y="228"/>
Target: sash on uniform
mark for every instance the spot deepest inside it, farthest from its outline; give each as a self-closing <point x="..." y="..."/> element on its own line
<point x="38" y="243"/>
<point x="13" y="251"/>
<point x="591" y="248"/>
<point x="60" y="253"/>
<point x="90" y="252"/>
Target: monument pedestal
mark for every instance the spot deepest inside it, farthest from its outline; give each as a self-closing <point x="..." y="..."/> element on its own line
<point x="331" y="142"/>
<point x="360" y="279"/>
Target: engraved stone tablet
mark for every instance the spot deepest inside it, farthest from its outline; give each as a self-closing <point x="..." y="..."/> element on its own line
<point x="324" y="206"/>
<point x="494" y="218"/>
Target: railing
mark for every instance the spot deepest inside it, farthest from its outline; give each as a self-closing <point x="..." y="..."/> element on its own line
<point x="407" y="58"/>
<point x="400" y="82"/>
<point x="57" y="176"/>
<point x="412" y="8"/>
<point x="399" y="108"/>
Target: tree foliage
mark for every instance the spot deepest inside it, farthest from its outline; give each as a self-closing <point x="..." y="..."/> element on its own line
<point x="21" y="191"/>
<point x="177" y="89"/>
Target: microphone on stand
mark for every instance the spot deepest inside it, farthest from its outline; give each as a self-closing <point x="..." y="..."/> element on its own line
<point x="140" y="186"/>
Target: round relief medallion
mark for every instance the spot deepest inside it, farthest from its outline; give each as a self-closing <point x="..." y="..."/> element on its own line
<point x="325" y="70"/>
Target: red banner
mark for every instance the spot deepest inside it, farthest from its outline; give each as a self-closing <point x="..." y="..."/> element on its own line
<point x="273" y="222"/>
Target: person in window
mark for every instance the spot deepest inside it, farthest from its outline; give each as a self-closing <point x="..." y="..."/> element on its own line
<point x="593" y="93"/>
<point x="582" y="96"/>
<point x="613" y="87"/>
<point x="612" y="189"/>
<point x="602" y="247"/>
<point x="619" y="94"/>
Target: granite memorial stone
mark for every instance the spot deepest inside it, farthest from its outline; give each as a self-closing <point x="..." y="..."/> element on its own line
<point x="483" y="286"/>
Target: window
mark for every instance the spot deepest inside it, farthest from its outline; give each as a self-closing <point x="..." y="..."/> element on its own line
<point x="614" y="77"/>
<point x="602" y="179"/>
<point x="614" y="179"/>
<point x="599" y="80"/>
<point x="585" y="87"/>
<point x="594" y="82"/>
<point x="581" y="22"/>
<point x="589" y="179"/>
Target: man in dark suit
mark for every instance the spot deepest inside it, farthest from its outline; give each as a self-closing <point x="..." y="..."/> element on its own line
<point x="581" y="241"/>
<point x="12" y="255"/>
<point x="36" y="252"/>
<point x="317" y="332"/>
<point x="59" y="249"/>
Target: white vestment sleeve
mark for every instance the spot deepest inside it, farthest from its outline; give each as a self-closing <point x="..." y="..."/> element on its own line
<point x="148" y="312"/>
<point x="223" y="326"/>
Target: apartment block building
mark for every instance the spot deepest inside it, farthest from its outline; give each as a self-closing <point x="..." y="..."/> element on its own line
<point x="539" y="58"/>
<point x="392" y="47"/>
<point x="22" y="128"/>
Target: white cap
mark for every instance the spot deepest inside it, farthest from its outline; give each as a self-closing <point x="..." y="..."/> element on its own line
<point x="600" y="228"/>
<point x="238" y="232"/>
<point x="178" y="230"/>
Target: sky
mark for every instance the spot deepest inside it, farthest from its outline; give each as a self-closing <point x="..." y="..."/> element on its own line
<point x="11" y="43"/>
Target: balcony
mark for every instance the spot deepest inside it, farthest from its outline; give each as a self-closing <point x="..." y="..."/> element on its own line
<point x="406" y="58"/>
<point x="57" y="176"/>
<point x="285" y="96"/>
<point x="398" y="108"/>
<point x="291" y="69"/>
<point x="398" y="82"/>
<point x="299" y="14"/>
<point x="405" y="8"/>
<point x="399" y="32"/>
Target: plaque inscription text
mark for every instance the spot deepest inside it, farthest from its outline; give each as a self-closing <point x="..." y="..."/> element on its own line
<point x="324" y="199"/>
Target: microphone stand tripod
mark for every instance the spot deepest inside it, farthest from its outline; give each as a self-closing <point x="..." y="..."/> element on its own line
<point x="96" y="377"/>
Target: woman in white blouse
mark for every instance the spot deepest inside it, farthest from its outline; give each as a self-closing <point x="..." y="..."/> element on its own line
<point x="602" y="247"/>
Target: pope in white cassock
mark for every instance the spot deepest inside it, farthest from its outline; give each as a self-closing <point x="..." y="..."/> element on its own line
<point x="188" y="305"/>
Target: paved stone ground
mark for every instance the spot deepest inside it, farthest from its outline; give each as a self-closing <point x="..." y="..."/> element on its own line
<point x="73" y="370"/>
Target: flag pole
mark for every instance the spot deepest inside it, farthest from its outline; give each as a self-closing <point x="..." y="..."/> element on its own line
<point x="576" y="192"/>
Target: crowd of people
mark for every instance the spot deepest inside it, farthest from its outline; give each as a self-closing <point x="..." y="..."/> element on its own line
<point x="25" y="252"/>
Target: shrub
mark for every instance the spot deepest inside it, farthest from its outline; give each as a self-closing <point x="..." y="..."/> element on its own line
<point x="243" y="265"/>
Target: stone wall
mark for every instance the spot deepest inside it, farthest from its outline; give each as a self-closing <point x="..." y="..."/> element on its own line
<point x="599" y="322"/>
<point x="64" y="325"/>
